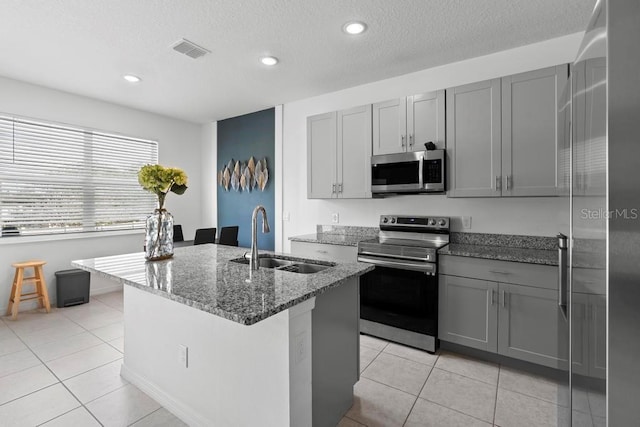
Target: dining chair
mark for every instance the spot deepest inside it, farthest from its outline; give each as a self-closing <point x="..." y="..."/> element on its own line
<point x="229" y="236"/>
<point x="205" y="235"/>
<point x="177" y="233"/>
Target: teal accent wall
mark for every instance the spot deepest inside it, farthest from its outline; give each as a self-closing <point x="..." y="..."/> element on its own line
<point x="239" y="138"/>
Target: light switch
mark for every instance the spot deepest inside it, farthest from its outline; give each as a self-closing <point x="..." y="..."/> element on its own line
<point x="335" y="217"/>
<point x="286" y="216"/>
<point x="466" y="222"/>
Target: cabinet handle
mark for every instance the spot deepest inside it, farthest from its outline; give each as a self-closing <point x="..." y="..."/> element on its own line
<point x="402" y="138"/>
<point x="493" y="296"/>
<point x="322" y="252"/>
<point x="340" y="188"/>
<point x="499" y="272"/>
<point x="503" y="298"/>
<point x="498" y="183"/>
<point x="333" y="189"/>
<point x="410" y="140"/>
<point x="508" y="182"/>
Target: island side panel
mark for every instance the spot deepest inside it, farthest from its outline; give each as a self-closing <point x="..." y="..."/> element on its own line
<point x="336" y="352"/>
<point x="237" y="375"/>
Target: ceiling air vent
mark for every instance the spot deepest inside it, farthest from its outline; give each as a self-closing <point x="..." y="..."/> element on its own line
<point x="190" y="49"/>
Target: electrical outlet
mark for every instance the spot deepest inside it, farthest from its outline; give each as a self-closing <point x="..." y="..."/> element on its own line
<point x="183" y="355"/>
<point x="335" y="217"/>
<point x="286" y="216"/>
<point x="466" y="222"/>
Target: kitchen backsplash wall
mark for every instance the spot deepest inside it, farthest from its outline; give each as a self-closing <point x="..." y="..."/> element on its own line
<point x="539" y="216"/>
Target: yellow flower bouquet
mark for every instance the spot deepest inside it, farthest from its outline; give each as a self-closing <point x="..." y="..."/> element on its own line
<point x="160" y="180"/>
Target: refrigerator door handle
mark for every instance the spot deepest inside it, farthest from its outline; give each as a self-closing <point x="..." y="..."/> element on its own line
<point x="562" y="273"/>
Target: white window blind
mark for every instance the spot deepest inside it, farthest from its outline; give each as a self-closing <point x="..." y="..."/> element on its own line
<point x="60" y="179"/>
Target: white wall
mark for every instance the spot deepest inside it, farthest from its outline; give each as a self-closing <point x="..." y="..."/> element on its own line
<point x="209" y="162"/>
<point x="534" y="216"/>
<point x="179" y="145"/>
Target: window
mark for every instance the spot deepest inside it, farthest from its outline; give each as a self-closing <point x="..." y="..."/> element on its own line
<point x="61" y="179"/>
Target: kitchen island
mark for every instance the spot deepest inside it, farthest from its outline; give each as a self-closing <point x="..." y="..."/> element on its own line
<point x="219" y="345"/>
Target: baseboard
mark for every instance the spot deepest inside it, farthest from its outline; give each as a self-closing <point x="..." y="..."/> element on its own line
<point x="179" y="409"/>
<point x="532" y="368"/>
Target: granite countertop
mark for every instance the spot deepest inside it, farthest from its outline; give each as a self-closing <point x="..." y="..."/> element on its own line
<point x="338" y="235"/>
<point x="502" y="253"/>
<point x="330" y="239"/>
<point x="203" y="277"/>
<point x="503" y="247"/>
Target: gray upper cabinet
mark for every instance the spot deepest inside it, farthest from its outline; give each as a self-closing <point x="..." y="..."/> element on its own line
<point x="425" y="120"/>
<point x="389" y="126"/>
<point x="467" y="314"/>
<point x="505" y="136"/>
<point x="321" y="156"/>
<point x="354" y="153"/>
<point x="406" y="124"/>
<point x="339" y="154"/>
<point x="473" y="140"/>
<point x="531" y="118"/>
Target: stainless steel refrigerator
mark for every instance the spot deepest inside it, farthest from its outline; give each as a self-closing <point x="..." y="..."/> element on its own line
<point x="599" y="167"/>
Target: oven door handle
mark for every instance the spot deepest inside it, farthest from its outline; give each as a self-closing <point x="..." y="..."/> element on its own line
<point x="429" y="268"/>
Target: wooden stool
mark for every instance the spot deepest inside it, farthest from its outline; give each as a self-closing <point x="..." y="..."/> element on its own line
<point x="40" y="293"/>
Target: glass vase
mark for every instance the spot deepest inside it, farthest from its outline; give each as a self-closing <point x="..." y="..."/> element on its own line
<point x="158" y="241"/>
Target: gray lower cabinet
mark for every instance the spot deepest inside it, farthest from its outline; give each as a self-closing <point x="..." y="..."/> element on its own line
<point x="530" y="325"/>
<point x="598" y="336"/>
<point x="475" y="325"/>
<point x="520" y="319"/>
<point x="589" y="335"/>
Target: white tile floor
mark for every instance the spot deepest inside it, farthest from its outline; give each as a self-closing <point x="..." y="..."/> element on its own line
<point x="402" y="386"/>
<point x="63" y="369"/>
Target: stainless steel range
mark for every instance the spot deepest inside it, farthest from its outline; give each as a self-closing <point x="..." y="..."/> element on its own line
<point x="399" y="299"/>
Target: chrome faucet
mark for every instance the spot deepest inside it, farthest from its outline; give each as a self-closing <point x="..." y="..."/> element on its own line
<point x="253" y="262"/>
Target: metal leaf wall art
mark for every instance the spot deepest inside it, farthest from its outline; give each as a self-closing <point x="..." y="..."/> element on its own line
<point x="244" y="176"/>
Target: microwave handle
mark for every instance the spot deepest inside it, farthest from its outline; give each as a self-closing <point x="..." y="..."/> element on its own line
<point x="420" y="172"/>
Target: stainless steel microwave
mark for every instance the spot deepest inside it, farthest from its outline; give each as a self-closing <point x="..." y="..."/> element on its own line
<point x="416" y="172"/>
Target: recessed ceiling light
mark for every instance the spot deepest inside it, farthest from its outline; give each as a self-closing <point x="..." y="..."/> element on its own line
<point x="131" y="78"/>
<point x="269" y="60"/>
<point x="354" y="27"/>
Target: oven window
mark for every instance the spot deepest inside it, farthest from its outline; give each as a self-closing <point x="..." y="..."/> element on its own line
<point x="432" y="171"/>
<point x="395" y="173"/>
<point x="401" y="298"/>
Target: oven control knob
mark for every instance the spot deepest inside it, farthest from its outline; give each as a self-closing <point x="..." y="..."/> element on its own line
<point x="385" y="220"/>
<point x="432" y="221"/>
<point x="442" y="222"/>
<point x="393" y="220"/>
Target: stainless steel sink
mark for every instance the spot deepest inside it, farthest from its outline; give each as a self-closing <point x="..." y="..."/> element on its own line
<point x="291" y="266"/>
<point x="305" y="268"/>
<point x="273" y="262"/>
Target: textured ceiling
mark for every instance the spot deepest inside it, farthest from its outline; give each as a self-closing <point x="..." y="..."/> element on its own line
<point x="84" y="46"/>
